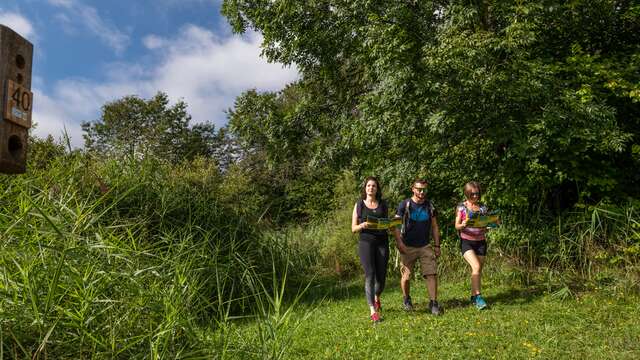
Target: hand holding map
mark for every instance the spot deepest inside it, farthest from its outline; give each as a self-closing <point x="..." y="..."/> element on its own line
<point x="480" y="221"/>
<point x="383" y="223"/>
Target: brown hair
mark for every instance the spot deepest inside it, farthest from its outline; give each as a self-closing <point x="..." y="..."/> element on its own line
<point x="470" y="186"/>
<point x="419" y="181"/>
<point x="363" y="191"/>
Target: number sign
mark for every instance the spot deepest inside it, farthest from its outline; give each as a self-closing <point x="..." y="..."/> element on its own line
<point x="18" y="104"/>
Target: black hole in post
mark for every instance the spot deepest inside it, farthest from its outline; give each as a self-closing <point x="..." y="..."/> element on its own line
<point x="19" y="78"/>
<point x="20" y="62"/>
<point x="15" y="146"/>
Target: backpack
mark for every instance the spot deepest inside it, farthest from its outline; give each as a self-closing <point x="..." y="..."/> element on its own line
<point x="405" y="219"/>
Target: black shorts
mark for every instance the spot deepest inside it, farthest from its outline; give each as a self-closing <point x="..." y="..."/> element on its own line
<point x="478" y="247"/>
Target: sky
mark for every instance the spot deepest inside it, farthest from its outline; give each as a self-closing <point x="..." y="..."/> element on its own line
<point x="89" y="52"/>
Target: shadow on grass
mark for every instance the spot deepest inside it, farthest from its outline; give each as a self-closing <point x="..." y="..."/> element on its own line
<point x="343" y="289"/>
<point x="334" y="289"/>
<point x="515" y="296"/>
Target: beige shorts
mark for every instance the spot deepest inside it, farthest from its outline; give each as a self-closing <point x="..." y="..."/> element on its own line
<point x="428" y="262"/>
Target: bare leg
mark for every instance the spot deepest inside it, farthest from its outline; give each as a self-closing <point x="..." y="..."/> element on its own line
<point x="432" y="286"/>
<point x="405" y="282"/>
<point x="476" y="263"/>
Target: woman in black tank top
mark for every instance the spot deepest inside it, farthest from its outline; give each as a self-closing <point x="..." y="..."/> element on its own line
<point x="373" y="246"/>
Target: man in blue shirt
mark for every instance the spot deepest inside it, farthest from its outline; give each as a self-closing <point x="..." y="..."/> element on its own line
<point x="413" y="241"/>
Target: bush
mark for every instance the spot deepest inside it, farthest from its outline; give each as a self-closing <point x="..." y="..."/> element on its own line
<point x="122" y="259"/>
<point x="584" y="239"/>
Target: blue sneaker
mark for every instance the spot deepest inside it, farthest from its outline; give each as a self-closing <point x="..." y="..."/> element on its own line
<point x="479" y="302"/>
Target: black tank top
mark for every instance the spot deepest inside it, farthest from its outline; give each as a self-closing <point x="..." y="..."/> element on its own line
<point x="380" y="212"/>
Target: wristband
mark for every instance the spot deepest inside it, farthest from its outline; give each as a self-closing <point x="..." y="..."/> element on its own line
<point x="436" y="246"/>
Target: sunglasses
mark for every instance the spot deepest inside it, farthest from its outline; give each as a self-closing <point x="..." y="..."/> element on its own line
<point x="475" y="194"/>
<point x="420" y="190"/>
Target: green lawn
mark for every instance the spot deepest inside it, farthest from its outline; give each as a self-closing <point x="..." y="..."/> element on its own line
<point x="522" y="323"/>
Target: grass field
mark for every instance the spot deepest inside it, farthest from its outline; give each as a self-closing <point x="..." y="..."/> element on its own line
<point x="166" y="265"/>
<point x="522" y="323"/>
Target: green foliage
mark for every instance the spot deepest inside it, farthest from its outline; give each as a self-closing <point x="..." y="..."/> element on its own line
<point x="267" y="123"/>
<point x="277" y="321"/>
<point x="135" y="127"/>
<point x="326" y="244"/>
<point x="127" y="259"/>
<point x="41" y="152"/>
<point x="148" y="259"/>
<point x="280" y="151"/>
<point x="162" y="233"/>
<point x="340" y="247"/>
<point x="339" y="250"/>
<point x="586" y="240"/>
<point x="525" y="97"/>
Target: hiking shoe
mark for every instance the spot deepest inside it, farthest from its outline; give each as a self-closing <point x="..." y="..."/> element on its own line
<point x="407" y="305"/>
<point x="377" y="306"/>
<point x="435" y="308"/>
<point x="479" y="302"/>
<point x="375" y="317"/>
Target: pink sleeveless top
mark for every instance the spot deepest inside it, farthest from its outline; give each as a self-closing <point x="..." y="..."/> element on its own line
<point x="469" y="233"/>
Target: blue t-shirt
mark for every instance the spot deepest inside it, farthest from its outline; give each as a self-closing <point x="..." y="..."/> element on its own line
<point x="418" y="227"/>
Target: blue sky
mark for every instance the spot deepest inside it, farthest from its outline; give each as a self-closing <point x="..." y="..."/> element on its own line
<point x="88" y="52"/>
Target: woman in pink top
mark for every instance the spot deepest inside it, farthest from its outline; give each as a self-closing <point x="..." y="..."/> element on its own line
<point x="473" y="244"/>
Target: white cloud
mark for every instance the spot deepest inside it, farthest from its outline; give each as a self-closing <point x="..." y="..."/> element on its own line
<point x="89" y="19"/>
<point x="18" y="23"/>
<point x="50" y="117"/>
<point x="196" y="66"/>
<point x="152" y="42"/>
<point x="209" y="73"/>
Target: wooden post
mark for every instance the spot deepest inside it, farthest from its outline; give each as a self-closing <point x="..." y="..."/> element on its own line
<point x="16" y="54"/>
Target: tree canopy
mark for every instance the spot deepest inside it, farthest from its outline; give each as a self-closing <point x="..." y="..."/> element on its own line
<point x="526" y="97"/>
<point x="136" y="127"/>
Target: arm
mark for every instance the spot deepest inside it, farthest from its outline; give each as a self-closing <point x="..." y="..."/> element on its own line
<point x="460" y="224"/>
<point x="399" y="244"/>
<point x="435" y="232"/>
<point x="355" y="227"/>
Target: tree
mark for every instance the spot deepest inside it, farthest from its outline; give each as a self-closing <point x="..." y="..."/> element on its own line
<point x="526" y="97"/>
<point x="136" y="127"/>
<point x="42" y="152"/>
<point x="280" y="141"/>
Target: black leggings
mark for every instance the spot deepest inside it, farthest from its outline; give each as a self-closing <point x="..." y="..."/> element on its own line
<point x="374" y="255"/>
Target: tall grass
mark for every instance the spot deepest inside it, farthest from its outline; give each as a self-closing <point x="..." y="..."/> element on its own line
<point x="128" y="260"/>
<point x="140" y="259"/>
<point x="277" y="323"/>
<point x="587" y="247"/>
<point x="586" y="244"/>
